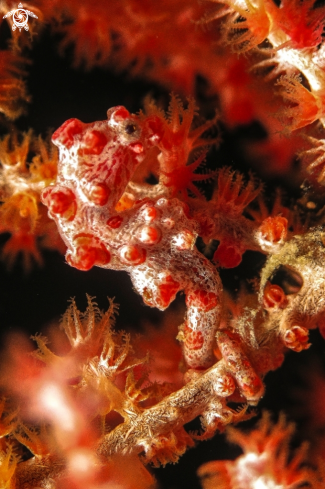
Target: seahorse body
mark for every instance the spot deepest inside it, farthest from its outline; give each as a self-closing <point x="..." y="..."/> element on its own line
<point x="154" y="239"/>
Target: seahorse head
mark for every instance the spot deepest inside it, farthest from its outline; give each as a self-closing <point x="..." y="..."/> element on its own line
<point x="98" y="159"/>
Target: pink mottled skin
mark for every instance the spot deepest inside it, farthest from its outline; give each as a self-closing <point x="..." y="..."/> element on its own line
<point x="153" y="239"/>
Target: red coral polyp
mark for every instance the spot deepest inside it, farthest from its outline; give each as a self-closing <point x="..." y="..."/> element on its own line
<point x="274" y="297"/>
<point x="274" y="229"/>
<point x="227" y="255"/>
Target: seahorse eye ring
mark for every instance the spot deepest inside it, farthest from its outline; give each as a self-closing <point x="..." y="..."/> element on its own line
<point x="130" y="128"/>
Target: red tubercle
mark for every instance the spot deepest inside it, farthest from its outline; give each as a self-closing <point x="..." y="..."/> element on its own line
<point x="65" y="134"/>
<point x="98" y="194"/>
<point x="193" y="340"/>
<point x="132" y="255"/>
<point x="88" y="252"/>
<point x="149" y="235"/>
<point x="118" y="113"/>
<point x="60" y="201"/>
<point x="150" y="213"/>
<point x="202" y="299"/>
<point x="93" y="143"/>
<point x="184" y="240"/>
<point x="167" y="290"/>
<point x="114" y="222"/>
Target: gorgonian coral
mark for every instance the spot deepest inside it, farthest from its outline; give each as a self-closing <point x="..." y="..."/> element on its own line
<point x="131" y="193"/>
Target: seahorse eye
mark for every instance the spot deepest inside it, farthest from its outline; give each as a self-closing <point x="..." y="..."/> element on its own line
<point x="130" y="128"/>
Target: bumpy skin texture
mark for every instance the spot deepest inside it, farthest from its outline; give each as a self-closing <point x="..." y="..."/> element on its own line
<point x="152" y="239"/>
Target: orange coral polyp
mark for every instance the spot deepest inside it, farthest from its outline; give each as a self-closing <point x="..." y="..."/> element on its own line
<point x="274" y="229"/>
<point x="301" y="21"/>
<point x="259" y="23"/>
<point x="252" y="30"/>
<point x="307" y="105"/>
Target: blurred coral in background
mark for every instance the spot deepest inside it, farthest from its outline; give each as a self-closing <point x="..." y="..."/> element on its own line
<point x="210" y="197"/>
